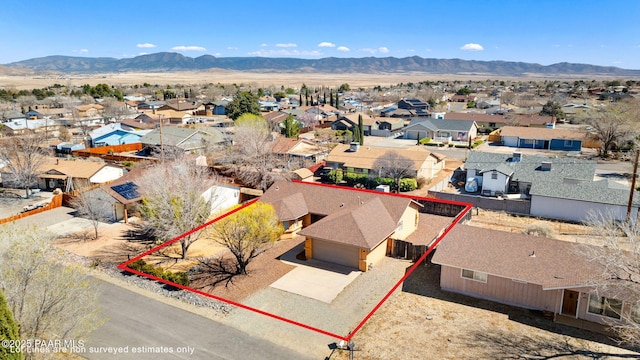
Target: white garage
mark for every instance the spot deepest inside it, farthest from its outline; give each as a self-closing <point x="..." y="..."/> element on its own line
<point x="336" y="253"/>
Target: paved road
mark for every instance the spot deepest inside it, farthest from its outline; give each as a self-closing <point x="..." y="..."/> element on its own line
<point x="138" y="321"/>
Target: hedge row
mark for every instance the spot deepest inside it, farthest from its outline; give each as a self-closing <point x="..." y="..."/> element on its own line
<point x="176" y="277"/>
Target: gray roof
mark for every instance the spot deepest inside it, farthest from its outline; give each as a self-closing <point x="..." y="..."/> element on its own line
<point x="603" y="191"/>
<point x="528" y="168"/>
<point x="178" y="136"/>
<point x="442" y="124"/>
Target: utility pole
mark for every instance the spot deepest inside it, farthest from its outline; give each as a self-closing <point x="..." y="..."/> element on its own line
<point x="633" y="186"/>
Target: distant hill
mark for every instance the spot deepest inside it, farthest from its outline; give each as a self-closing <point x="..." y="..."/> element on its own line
<point x="166" y="61"/>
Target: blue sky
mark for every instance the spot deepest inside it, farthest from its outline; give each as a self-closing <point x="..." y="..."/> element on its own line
<point x="538" y="31"/>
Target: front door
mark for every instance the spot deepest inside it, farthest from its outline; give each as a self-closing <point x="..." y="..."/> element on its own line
<point x="570" y="302"/>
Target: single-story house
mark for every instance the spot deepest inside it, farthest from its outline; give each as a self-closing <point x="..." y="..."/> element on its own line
<point x="70" y="175"/>
<point x="342" y="226"/>
<point x="182" y="105"/>
<point x="348" y="121"/>
<point x="416" y="105"/>
<point x="91" y="110"/>
<point x="391" y="124"/>
<point x="497" y="121"/>
<point x="21" y="126"/>
<point x="362" y="159"/>
<point x="530" y="272"/>
<point x="580" y="200"/>
<point x="496" y="174"/>
<point x="115" y="134"/>
<point x="298" y="149"/>
<point x="441" y="130"/>
<point x="542" y="138"/>
<point x="183" y="138"/>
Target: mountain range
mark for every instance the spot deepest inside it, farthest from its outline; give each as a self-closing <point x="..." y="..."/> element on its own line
<point x="168" y="61"/>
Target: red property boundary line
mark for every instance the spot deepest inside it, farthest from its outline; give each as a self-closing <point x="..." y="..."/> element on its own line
<point x="456" y="220"/>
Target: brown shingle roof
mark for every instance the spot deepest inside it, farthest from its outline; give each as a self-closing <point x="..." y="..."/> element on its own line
<point x="75" y="168"/>
<point x="520" y="119"/>
<point x="365" y="226"/>
<point x="429" y="227"/>
<point x="556" y="264"/>
<point x="366" y="156"/>
<point x="290" y="207"/>
<point x="540" y="133"/>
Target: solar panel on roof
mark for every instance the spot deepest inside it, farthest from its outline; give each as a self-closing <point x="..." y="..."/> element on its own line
<point x="127" y="190"/>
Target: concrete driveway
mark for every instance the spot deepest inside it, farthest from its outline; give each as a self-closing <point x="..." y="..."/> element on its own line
<point x="314" y="279"/>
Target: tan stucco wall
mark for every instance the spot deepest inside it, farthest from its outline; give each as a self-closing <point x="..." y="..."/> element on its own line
<point x="409" y="222"/>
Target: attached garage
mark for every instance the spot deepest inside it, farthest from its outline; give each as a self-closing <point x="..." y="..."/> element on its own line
<point x="336" y="253"/>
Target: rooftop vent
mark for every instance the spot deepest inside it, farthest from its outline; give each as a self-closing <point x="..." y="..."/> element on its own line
<point x="354" y="146"/>
<point x="545" y="166"/>
<point x="516" y="157"/>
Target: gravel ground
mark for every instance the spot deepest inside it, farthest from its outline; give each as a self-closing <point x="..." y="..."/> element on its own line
<point x="339" y="317"/>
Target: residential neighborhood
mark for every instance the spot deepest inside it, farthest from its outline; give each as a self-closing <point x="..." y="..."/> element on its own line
<point x="314" y="206"/>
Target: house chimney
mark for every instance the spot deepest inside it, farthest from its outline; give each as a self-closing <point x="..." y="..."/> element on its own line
<point x="354" y="146"/>
<point x="545" y="166"/>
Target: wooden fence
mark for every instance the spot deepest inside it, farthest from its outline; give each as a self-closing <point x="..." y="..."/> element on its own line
<point x="56" y="201"/>
<point x="406" y="250"/>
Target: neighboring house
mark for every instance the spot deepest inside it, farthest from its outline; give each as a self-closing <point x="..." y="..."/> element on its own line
<point x="497" y="174"/>
<point x="529" y="272"/>
<point x="215" y="108"/>
<point x="183" y="138"/>
<point x="70" y="175"/>
<point x="391" y="124"/>
<point x="542" y="138"/>
<point x="115" y="134"/>
<point x="21" y="126"/>
<point x="581" y="200"/>
<point x="151" y="105"/>
<point x="67" y="147"/>
<point x="91" y="110"/>
<point x="441" y="130"/>
<point x="268" y="106"/>
<point x="174" y="117"/>
<point x="361" y="159"/>
<point x="348" y="121"/>
<point x="298" y="149"/>
<point x="342" y="226"/>
<point x="275" y="119"/>
<point x="182" y="105"/>
<point x="417" y="106"/>
<point x="498" y="121"/>
<point x="9" y="115"/>
<point x="146" y="121"/>
<point x="33" y="115"/>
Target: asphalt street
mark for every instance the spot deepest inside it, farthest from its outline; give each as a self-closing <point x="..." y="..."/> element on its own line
<point x="156" y="330"/>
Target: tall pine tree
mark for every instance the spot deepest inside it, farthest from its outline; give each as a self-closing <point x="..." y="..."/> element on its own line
<point x="361" y="129"/>
<point x="331" y="97"/>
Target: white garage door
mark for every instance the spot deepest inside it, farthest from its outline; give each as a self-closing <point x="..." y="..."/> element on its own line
<point x="336" y="253"/>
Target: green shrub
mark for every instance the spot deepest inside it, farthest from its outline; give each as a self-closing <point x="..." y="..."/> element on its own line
<point x="431" y="144"/>
<point x="477" y="143"/>
<point x="408" y="184"/>
<point x="350" y="178"/>
<point x="335" y="176"/>
<point x="176" y="277"/>
<point x="425" y="141"/>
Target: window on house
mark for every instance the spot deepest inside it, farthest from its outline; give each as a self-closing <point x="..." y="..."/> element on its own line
<point x="530" y="141"/>
<point x="494" y="175"/>
<point x="474" y="275"/>
<point x="400" y="226"/>
<point x="285" y="225"/>
<point x="568" y="143"/>
<point x="601" y="305"/>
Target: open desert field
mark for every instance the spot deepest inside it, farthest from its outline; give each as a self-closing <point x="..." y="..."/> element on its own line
<point x="11" y="79"/>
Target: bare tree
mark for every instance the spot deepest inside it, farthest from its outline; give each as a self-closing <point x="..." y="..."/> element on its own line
<point x="90" y="205"/>
<point x="114" y="109"/>
<point x="173" y="201"/>
<point x="614" y="249"/>
<point x="395" y="166"/>
<point x="23" y="157"/>
<point x="49" y="299"/>
<point x="614" y="124"/>
<point x="251" y="155"/>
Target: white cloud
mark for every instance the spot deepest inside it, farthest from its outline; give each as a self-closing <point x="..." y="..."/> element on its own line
<point x="263" y="45"/>
<point x="343" y="49"/>
<point x="326" y="44"/>
<point x="284" y="52"/>
<point x="188" y="48"/>
<point x="146" y="46"/>
<point x="383" y="49"/>
<point x="369" y="50"/>
<point x="472" y="47"/>
<point x="83" y="51"/>
<point x="288" y="45"/>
